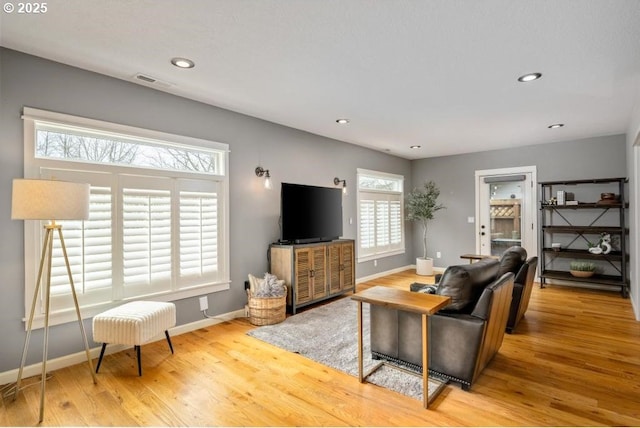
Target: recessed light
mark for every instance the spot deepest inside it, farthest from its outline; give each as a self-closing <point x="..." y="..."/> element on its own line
<point x="530" y="77"/>
<point x="183" y="62"/>
<point x="342" y="121"/>
<point x="414" y="147"/>
<point x="556" y="125"/>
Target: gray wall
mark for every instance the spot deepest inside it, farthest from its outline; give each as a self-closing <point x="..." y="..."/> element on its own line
<point x="291" y="156"/>
<point x="450" y="233"/>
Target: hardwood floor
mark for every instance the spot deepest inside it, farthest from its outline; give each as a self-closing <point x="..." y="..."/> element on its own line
<point x="573" y="360"/>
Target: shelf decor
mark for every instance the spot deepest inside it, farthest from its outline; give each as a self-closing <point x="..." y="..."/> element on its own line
<point x="582" y="269"/>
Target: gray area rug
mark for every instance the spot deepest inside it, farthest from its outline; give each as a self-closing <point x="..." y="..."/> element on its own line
<point x="328" y="334"/>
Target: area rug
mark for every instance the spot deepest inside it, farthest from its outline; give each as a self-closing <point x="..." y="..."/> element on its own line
<point x="328" y="334"/>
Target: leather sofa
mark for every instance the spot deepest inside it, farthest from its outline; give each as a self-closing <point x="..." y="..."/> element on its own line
<point x="464" y="336"/>
<point x="523" y="284"/>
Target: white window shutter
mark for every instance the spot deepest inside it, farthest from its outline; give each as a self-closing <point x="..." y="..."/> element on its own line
<point x="89" y="248"/>
<point x="146" y="237"/>
<point x="198" y="234"/>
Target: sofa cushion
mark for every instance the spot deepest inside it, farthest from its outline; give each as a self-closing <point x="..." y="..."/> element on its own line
<point x="464" y="283"/>
<point x="511" y="260"/>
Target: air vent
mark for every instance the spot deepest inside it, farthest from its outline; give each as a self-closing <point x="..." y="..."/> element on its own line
<point x="145" y="78"/>
<point x="152" y="80"/>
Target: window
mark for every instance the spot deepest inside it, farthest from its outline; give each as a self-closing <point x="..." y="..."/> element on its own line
<point x="381" y="213"/>
<point x="158" y="213"/>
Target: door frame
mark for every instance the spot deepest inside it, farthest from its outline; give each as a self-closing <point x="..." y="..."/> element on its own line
<point x="532" y="203"/>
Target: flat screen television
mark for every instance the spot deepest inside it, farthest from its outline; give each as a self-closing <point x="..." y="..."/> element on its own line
<point x="310" y="213"/>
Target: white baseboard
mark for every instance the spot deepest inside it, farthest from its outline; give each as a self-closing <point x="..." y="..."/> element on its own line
<point x="79" y="357"/>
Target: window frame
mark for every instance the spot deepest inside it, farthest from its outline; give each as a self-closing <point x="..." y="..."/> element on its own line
<point x="33" y="167"/>
<point x="365" y="255"/>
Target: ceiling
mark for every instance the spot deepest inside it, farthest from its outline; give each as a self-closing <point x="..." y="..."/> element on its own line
<point x="441" y="74"/>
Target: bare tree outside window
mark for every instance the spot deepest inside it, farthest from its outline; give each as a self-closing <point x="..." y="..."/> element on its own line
<point x="71" y="146"/>
<point x="68" y="146"/>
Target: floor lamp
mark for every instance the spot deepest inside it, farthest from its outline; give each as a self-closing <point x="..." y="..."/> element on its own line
<point x="49" y="200"/>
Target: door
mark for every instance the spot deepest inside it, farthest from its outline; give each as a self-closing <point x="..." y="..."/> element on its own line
<point x="319" y="272"/>
<point x="303" y="270"/>
<point x="505" y="210"/>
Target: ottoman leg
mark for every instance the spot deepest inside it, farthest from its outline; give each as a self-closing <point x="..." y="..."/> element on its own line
<point x="137" y="348"/>
<point x="166" y="333"/>
<point x="104" y="346"/>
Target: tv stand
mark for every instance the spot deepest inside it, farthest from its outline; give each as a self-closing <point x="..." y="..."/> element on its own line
<point x="314" y="272"/>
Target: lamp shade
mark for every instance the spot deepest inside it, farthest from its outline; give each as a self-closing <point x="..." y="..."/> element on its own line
<point x="35" y="199"/>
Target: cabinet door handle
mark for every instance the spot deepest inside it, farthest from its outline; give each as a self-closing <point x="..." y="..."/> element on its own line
<point x="312" y="273"/>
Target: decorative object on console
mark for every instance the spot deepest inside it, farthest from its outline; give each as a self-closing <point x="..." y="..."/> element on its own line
<point x="582" y="269"/>
<point x="608" y="198"/>
<point x="421" y="206"/>
<point x="49" y="200"/>
<point x="337" y="181"/>
<point x="595" y="249"/>
<point x="603" y="246"/>
<point x="260" y="171"/>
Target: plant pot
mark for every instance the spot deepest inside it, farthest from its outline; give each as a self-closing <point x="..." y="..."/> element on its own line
<point x="582" y="273"/>
<point x="424" y="266"/>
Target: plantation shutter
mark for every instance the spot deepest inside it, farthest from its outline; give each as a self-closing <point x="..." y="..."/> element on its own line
<point x="395" y="223"/>
<point x="382" y="223"/>
<point x="198" y="234"/>
<point x="146" y="238"/>
<point x="88" y="245"/>
<point x="367" y="226"/>
<point x="380" y="212"/>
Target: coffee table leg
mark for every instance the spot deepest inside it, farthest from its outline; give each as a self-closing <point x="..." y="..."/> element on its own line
<point x="360" y="351"/>
<point x="425" y="362"/>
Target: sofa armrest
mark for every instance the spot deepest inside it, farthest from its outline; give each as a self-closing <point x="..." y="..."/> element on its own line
<point x="483" y="308"/>
<point x="515" y="305"/>
<point x="454" y="345"/>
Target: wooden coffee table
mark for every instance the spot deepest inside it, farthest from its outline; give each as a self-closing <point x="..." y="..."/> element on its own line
<point x="424" y="304"/>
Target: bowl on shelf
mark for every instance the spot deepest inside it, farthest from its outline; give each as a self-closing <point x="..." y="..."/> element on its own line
<point x="581" y="273"/>
<point x="582" y="268"/>
<point x="556" y="246"/>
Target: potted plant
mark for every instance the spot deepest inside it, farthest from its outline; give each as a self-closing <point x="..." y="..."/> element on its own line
<point x="582" y="269"/>
<point x="421" y="205"/>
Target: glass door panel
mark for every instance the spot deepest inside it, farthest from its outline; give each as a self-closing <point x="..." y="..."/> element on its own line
<point x="505" y="213"/>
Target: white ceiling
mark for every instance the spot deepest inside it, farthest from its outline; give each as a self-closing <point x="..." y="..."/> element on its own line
<point x="436" y="73"/>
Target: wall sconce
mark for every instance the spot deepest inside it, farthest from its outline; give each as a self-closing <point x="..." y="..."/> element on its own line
<point x="337" y="181"/>
<point x="260" y="171"/>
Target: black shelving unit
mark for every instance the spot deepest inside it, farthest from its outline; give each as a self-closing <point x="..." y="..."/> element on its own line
<point x="577" y="225"/>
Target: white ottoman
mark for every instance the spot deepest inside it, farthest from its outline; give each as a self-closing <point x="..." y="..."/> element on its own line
<point x="134" y="324"/>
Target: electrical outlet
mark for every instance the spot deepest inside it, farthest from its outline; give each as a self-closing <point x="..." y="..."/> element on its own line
<point x="375" y="263"/>
<point x="438" y="254"/>
<point x="204" y="303"/>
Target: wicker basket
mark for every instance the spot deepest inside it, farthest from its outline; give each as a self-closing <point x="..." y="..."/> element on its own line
<point x="267" y="310"/>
